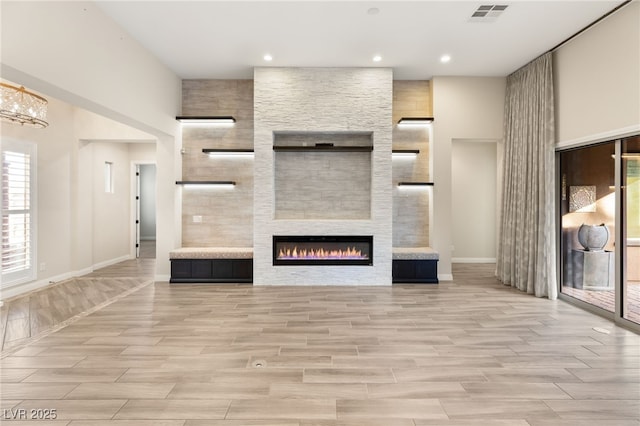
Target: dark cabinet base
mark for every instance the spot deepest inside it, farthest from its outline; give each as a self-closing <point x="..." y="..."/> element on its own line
<point x="419" y="271"/>
<point x="211" y="271"/>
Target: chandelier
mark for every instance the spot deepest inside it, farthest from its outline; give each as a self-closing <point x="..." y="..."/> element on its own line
<point x="18" y="105"/>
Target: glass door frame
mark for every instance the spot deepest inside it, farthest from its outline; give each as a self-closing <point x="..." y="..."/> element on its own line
<point x="620" y="242"/>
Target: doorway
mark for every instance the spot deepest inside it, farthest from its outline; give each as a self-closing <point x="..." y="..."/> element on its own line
<point x="145" y="200"/>
<point x="474" y="168"/>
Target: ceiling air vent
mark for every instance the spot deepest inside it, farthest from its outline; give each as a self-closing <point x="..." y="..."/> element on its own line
<point x="488" y="12"/>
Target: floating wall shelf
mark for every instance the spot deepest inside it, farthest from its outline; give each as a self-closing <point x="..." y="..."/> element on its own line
<point x="205" y="182"/>
<point x="322" y="133"/>
<point x="415" y="183"/>
<point x="322" y="147"/>
<point x="206" y="119"/>
<point x="405" y="151"/>
<point x="216" y="151"/>
<point x="415" y="121"/>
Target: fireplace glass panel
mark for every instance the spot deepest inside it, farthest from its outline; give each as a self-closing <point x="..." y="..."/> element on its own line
<point x="323" y="250"/>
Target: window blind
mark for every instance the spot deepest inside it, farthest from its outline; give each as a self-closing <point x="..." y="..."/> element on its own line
<point x="17" y="236"/>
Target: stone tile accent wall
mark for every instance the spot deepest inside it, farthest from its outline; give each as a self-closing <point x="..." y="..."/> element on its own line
<point x="411" y="206"/>
<point x="226" y="213"/>
<point x="310" y="106"/>
<point x="322" y="100"/>
<point x="412" y="98"/>
<point x="323" y="184"/>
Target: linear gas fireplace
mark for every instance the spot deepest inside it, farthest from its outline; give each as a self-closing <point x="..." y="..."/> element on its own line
<point x="323" y="250"/>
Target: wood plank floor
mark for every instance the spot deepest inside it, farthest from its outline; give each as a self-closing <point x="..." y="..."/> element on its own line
<point x="29" y="316"/>
<point x="467" y="352"/>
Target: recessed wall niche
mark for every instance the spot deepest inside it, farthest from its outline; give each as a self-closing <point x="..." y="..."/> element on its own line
<point x="225" y="214"/>
<point x="322" y="175"/>
<point x="411" y="206"/>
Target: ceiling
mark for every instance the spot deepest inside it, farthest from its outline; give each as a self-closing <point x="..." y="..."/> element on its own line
<point x="227" y="39"/>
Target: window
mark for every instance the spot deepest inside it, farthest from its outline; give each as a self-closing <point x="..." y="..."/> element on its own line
<point x="108" y="177"/>
<point x="18" y="212"/>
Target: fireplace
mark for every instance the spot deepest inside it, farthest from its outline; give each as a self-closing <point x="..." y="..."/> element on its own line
<point x="323" y="250"/>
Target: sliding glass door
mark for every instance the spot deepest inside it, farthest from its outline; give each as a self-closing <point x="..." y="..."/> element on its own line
<point x="588" y="217"/>
<point x="599" y="207"/>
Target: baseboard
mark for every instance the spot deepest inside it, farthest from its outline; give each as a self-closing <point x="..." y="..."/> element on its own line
<point x="445" y="277"/>
<point x="22" y="289"/>
<point x="110" y="262"/>
<point x="162" y="278"/>
<point x="473" y="260"/>
<point x="31" y="286"/>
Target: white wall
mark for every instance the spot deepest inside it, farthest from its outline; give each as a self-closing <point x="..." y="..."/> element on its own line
<point x="80" y="56"/>
<point x="597" y="81"/>
<point x="76" y="51"/>
<point x="463" y="108"/>
<point x="54" y="193"/>
<point x="78" y="227"/>
<point x="111" y="211"/>
<point x="474" y="186"/>
<point x="95" y="127"/>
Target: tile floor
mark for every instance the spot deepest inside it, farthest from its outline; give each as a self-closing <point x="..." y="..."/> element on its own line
<point x="28" y="316"/>
<point x="147" y="249"/>
<point x="467" y="352"/>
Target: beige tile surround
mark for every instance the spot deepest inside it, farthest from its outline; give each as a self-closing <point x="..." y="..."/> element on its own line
<point x="227" y="215"/>
<point x="411" y="221"/>
<point x="323" y="100"/>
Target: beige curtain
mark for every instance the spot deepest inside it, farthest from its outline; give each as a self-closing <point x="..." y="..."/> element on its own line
<point x="526" y="250"/>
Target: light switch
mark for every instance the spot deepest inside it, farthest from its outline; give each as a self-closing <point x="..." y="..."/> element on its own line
<point x="197" y="219"/>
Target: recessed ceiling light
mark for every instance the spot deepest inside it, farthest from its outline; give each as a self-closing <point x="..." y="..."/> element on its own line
<point x="268" y="57"/>
<point x="377" y="58"/>
<point x="373" y="11"/>
<point x="445" y="58"/>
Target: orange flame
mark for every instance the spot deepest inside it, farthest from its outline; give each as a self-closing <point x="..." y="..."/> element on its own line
<point x="321" y="253"/>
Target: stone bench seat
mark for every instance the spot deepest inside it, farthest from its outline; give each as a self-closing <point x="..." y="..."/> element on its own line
<point x="234" y="264"/>
<point x="211" y="265"/>
<point x="414" y="253"/>
<point x="212" y="253"/>
<point x="416" y="265"/>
